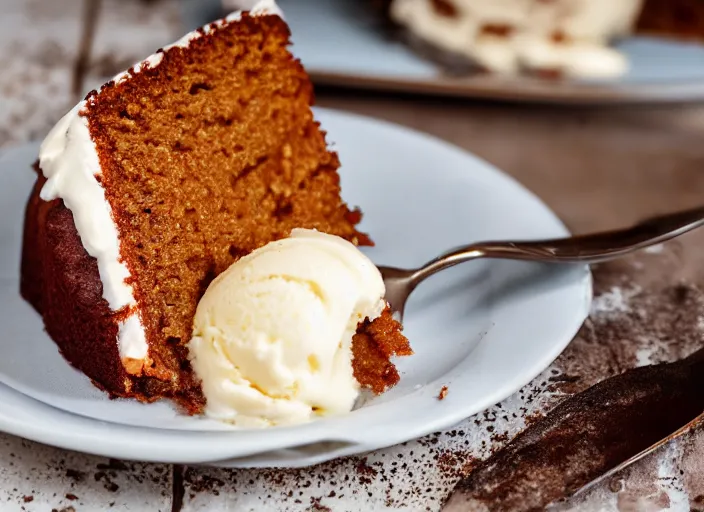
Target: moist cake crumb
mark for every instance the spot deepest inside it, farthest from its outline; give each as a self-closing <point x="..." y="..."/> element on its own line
<point x="372" y="348"/>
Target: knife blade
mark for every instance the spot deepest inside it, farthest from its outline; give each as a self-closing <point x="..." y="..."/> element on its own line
<point x="587" y="438"/>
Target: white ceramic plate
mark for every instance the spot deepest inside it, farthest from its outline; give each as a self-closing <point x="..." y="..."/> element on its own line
<point x="341" y="43"/>
<point x="483" y="329"/>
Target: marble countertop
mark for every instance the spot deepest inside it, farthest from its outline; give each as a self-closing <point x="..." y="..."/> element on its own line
<point x="596" y="168"/>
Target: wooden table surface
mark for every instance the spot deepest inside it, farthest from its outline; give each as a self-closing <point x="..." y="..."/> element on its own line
<point x="597" y="168"/>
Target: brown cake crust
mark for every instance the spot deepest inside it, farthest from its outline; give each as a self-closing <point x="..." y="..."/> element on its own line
<point x="62" y="282"/>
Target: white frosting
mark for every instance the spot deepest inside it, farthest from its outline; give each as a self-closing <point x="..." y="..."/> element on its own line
<point x="272" y="340"/>
<point x="588" y="27"/>
<point x="69" y="160"/>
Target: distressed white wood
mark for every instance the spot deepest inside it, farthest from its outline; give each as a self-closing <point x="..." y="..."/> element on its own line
<point x="39" y="43"/>
<point x="35" y="477"/>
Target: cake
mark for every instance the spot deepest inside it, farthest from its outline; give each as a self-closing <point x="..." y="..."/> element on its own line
<point x="548" y="38"/>
<point x="158" y="182"/>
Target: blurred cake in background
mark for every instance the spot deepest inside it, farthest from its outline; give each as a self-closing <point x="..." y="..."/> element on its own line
<point x="553" y="38"/>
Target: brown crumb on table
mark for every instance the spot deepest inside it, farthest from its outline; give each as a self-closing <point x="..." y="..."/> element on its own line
<point x="443" y="393"/>
<point x="78" y="476"/>
<point x="317" y="506"/>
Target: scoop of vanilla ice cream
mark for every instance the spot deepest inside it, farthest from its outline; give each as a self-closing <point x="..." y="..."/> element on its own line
<point x="272" y="338"/>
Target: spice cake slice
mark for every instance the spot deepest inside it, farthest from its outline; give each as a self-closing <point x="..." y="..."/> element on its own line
<point x="155" y="184"/>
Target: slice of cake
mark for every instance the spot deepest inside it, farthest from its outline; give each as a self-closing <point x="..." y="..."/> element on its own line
<point x="157" y="183"/>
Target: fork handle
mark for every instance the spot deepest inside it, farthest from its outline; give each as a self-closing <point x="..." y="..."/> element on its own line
<point x="590" y="248"/>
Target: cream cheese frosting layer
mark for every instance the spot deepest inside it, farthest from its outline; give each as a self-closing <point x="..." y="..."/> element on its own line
<point x="69" y="160"/>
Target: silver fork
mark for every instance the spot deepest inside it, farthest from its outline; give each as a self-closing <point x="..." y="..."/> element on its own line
<point x="591" y="248"/>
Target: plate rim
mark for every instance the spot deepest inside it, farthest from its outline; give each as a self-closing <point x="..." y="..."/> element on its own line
<point x="147" y="438"/>
<point x="527" y="90"/>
